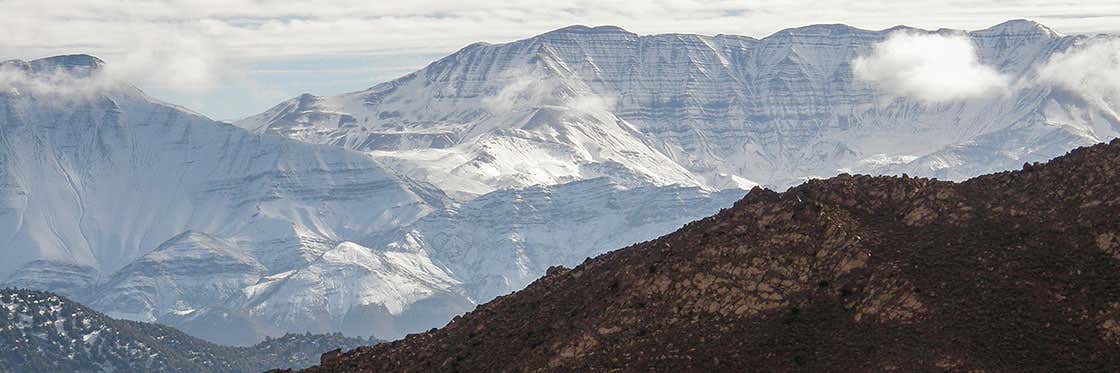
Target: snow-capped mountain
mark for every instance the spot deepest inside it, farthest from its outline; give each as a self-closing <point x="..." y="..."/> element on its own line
<point x="99" y="179"/>
<point x="149" y="212"/>
<point x="188" y="272"/>
<point x="388" y="211"/>
<point x="360" y="291"/>
<point x="724" y="110"/>
<point x="502" y="241"/>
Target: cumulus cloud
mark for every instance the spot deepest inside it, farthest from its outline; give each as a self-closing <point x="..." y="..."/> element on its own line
<point x="1091" y="70"/>
<point x="932" y="68"/>
<point x="937" y="68"/>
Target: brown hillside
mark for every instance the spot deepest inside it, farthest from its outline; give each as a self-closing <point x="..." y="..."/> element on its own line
<point x="1006" y="272"/>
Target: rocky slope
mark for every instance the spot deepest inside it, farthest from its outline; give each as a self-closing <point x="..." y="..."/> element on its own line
<point x="714" y="111"/>
<point x="1010" y="271"/>
<point x="41" y="331"/>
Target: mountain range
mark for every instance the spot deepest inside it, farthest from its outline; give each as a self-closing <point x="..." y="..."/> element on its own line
<point x="390" y="210"/>
<point x="712" y="111"/>
<point x="1011" y="271"/>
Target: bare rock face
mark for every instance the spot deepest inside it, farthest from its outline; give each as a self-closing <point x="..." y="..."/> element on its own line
<point x="1008" y="271"/>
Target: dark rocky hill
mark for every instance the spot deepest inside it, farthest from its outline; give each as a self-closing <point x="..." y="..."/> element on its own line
<point x="45" y="332"/>
<point x="1006" y="272"/>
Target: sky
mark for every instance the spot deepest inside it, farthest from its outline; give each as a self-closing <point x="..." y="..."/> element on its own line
<point x="233" y="58"/>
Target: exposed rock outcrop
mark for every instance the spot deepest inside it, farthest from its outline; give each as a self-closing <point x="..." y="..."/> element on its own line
<point x="1010" y="271"/>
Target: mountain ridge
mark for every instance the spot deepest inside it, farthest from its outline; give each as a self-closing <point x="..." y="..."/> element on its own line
<point x="207" y="189"/>
<point x="1007" y="271"/>
<point x="729" y="111"/>
<point x="234" y="236"/>
<point x="394" y="215"/>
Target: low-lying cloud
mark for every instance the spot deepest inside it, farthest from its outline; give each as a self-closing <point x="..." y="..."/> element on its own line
<point x="519" y="88"/>
<point x="1090" y="70"/>
<point x="932" y="68"/>
<point x="525" y="89"/>
<point x="936" y="68"/>
<point x="57" y="83"/>
<point x="168" y="61"/>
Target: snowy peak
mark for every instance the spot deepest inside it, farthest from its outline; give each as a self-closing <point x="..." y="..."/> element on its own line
<point x="715" y="112"/>
<point x="727" y="110"/>
<point x="400" y="205"/>
<point x="581" y="35"/>
<point x="54" y="68"/>
<point x="586" y="30"/>
<point x="77" y="64"/>
<point x="69" y="62"/>
<point x="818" y="30"/>
<point x="146" y="209"/>
<point x="1020" y="27"/>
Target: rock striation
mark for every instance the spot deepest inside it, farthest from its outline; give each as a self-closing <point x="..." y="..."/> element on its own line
<point x="714" y="111"/>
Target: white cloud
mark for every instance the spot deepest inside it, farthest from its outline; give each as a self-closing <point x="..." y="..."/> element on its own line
<point x="174" y="61"/>
<point x="1091" y="69"/>
<point x="525" y="89"/>
<point x="593" y="103"/>
<point x="170" y="63"/>
<point x="55" y="83"/>
<point x="932" y="68"/>
<point x="519" y="89"/>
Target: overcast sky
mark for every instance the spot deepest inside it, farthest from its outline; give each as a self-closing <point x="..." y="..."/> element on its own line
<point x="231" y="58"/>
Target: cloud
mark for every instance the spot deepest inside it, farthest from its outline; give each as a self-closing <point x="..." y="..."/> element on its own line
<point x="593" y="103"/>
<point x="169" y="63"/>
<point x="1090" y="69"/>
<point x="74" y="84"/>
<point x="526" y="89"/>
<point x="519" y="88"/>
<point x="931" y="68"/>
<point x="936" y="68"/>
<point x="176" y="62"/>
